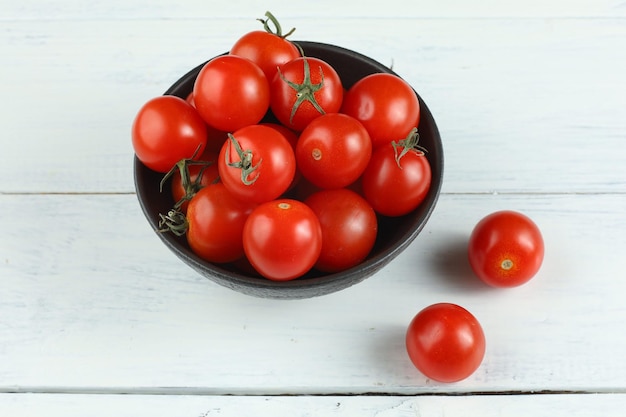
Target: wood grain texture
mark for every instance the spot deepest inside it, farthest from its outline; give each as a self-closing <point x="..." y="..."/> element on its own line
<point x="96" y="301"/>
<point x="197" y="9"/>
<point x="544" y="118"/>
<point x="27" y="405"/>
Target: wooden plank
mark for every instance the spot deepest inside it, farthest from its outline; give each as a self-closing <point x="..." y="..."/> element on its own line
<point x="92" y="300"/>
<point x="583" y="405"/>
<point x="527" y="105"/>
<point x="196" y="9"/>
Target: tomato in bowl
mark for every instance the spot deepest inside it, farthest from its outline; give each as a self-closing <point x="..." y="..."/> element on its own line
<point x="395" y="233"/>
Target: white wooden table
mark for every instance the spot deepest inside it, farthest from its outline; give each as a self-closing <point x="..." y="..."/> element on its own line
<point x="98" y="318"/>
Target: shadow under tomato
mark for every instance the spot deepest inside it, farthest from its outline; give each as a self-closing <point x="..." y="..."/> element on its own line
<point x="388" y="351"/>
<point x="451" y="264"/>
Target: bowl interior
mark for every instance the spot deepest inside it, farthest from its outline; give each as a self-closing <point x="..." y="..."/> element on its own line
<point x="395" y="234"/>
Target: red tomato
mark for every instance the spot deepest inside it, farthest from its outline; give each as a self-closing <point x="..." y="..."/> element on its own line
<point x="215" y="137"/>
<point x="267" y="50"/>
<point x="292" y="138"/>
<point x="282" y="239"/>
<point x="333" y="150"/>
<point x="215" y="224"/>
<point x="349" y="228"/>
<point x="181" y="191"/>
<point x="303" y="89"/>
<point x="166" y="130"/>
<point x="231" y="92"/>
<point x="257" y="163"/>
<point x="445" y="342"/>
<point x="397" y="178"/>
<point x="506" y="249"/>
<point x="290" y="135"/>
<point x="386" y="105"/>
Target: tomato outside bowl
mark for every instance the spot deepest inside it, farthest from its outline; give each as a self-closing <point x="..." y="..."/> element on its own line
<point x="395" y="234"/>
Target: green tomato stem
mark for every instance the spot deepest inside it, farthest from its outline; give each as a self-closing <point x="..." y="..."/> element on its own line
<point x="174" y="221"/>
<point x="305" y="91"/>
<point x="245" y="161"/>
<point x="278" y="31"/>
<point x="407" y="144"/>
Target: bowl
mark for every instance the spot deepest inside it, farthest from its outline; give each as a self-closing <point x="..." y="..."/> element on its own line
<point x="394" y="236"/>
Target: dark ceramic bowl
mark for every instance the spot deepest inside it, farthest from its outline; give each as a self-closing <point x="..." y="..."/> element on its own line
<point x="395" y="234"/>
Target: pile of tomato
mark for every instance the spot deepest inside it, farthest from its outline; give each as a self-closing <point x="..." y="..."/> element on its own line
<point x="279" y="168"/>
<point x="277" y="165"/>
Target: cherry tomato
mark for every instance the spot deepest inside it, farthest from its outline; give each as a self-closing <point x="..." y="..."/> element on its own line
<point x="166" y="130"/>
<point x="349" y="228"/>
<point x="445" y="342"/>
<point x="257" y="163"/>
<point x="397" y="178"/>
<point x="215" y="137"/>
<point x="303" y="89"/>
<point x="386" y="105"/>
<point x="268" y="49"/>
<point x="181" y="191"/>
<point x="231" y="92"/>
<point x="292" y="137"/>
<point x="333" y="150"/>
<point x="282" y="239"/>
<point x="506" y="249"/>
<point x="215" y="224"/>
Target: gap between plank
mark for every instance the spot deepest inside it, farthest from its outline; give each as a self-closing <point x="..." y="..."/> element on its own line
<point x="198" y="391"/>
